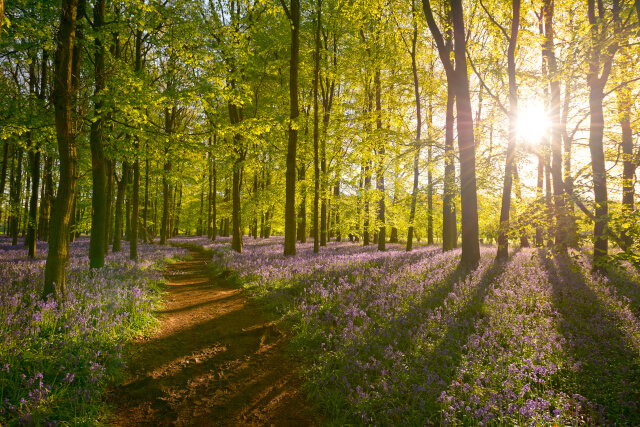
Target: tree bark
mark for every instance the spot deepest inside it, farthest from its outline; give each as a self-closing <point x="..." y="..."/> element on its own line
<point x="382" y="233"/>
<point x="503" y="237"/>
<point x="15" y="203"/>
<point x="448" y="218"/>
<point x="290" y="203"/>
<point x="468" y="196"/>
<point x="416" y="156"/>
<point x="3" y="176"/>
<point x="169" y="117"/>
<point x="98" y="166"/>
<point x="110" y="185"/>
<point x="316" y="148"/>
<point x="214" y="210"/>
<point x="596" y="83"/>
<point x="561" y="231"/>
<point x="122" y="187"/>
<point x="58" y="255"/>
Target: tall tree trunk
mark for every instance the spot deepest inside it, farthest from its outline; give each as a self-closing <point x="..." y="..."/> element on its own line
<point x="336" y="197"/>
<point x="110" y="185"/>
<point x="98" y="166"/>
<point x="48" y="200"/>
<point x="468" y="196"/>
<point x="503" y="237"/>
<point x="236" y="242"/>
<point x="177" y="210"/>
<point x="3" y="176"/>
<point x="145" y="215"/>
<point x="58" y="255"/>
<point x="210" y="195"/>
<point x="628" y="166"/>
<point x="122" y="187"/>
<point x="214" y="213"/>
<point x="35" y="162"/>
<point x="448" y="218"/>
<point x="290" y="203"/>
<point x="169" y="117"/>
<point x="429" y="172"/>
<point x="367" y="190"/>
<point x="135" y="196"/>
<point x="200" y="230"/>
<point x="382" y="233"/>
<point x="302" y="215"/>
<point x="416" y="156"/>
<point x="17" y="192"/>
<point x="135" y="205"/>
<point x="556" y="131"/>
<point x="316" y="148"/>
<point x="597" y="83"/>
<point x="127" y="215"/>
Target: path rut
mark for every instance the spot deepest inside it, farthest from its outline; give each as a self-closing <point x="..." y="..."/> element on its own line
<point x="215" y="361"/>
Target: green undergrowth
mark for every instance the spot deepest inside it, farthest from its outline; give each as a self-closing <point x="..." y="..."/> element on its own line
<point x="57" y="361"/>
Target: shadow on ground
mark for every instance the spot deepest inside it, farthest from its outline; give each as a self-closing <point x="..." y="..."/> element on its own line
<point x="216" y="360"/>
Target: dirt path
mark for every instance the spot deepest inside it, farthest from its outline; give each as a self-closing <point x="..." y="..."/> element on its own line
<point x="216" y="361"/>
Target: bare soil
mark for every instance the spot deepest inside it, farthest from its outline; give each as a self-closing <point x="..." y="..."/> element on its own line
<point x="215" y="361"/>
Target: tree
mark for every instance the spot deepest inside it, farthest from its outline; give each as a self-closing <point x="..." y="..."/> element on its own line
<point x="63" y="89"/>
<point x="290" y="205"/>
<point x="458" y="79"/>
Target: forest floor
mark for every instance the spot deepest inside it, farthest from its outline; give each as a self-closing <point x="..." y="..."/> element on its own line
<point x="215" y="360"/>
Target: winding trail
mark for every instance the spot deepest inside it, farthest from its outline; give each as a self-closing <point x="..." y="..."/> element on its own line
<point x="215" y="361"/>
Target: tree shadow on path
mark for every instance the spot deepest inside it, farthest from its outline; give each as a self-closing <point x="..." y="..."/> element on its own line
<point x="216" y="360"/>
<point x="606" y="364"/>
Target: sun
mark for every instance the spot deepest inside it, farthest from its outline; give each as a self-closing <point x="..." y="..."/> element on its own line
<point x="533" y="123"/>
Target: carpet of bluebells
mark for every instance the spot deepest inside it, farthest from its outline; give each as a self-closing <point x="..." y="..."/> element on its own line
<point x="397" y="338"/>
<point x="56" y="359"/>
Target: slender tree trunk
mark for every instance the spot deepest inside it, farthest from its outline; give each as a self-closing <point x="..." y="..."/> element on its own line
<point x="127" y="215"/>
<point x="98" y="165"/>
<point x="367" y="190"/>
<point x="316" y="148"/>
<point x="539" y="195"/>
<point x="17" y="191"/>
<point x="429" y="173"/>
<point x="503" y="237"/>
<point x="290" y="204"/>
<point x="3" y="176"/>
<point x="48" y="197"/>
<point x="200" y="230"/>
<point x="210" y="195"/>
<point x="469" y="199"/>
<point x="122" y="187"/>
<point x="336" y="197"/>
<point x="214" y="213"/>
<point x="448" y="219"/>
<point x="382" y="233"/>
<point x="145" y="215"/>
<point x="110" y="184"/>
<point x="178" y="211"/>
<point x="35" y="163"/>
<point x="58" y="255"/>
<point x="135" y="196"/>
<point x="597" y="83"/>
<point x="236" y="242"/>
<point x="25" y="218"/>
<point x="135" y="205"/>
<point x="166" y="191"/>
<point x="561" y="231"/>
<point x="416" y="156"/>
<point x="628" y="166"/>
<point x="302" y="216"/>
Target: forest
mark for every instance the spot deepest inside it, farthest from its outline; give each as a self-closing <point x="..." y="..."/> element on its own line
<point x="430" y="203"/>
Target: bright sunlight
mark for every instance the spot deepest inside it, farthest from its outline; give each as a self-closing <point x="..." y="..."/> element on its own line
<point x="532" y="123"/>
